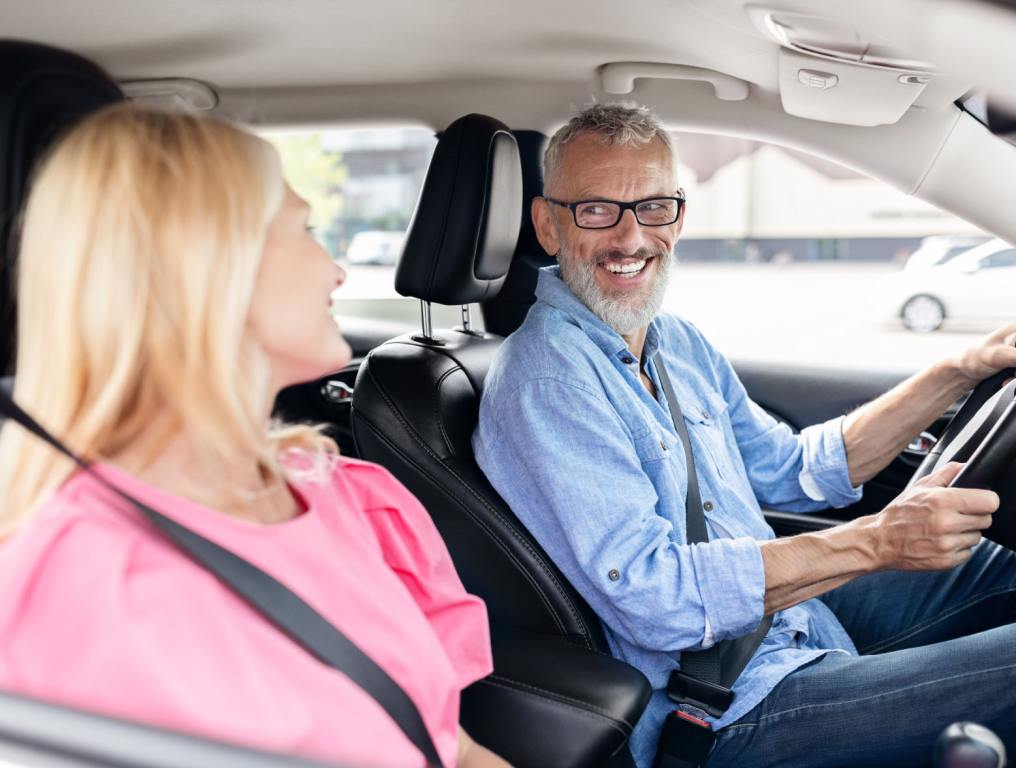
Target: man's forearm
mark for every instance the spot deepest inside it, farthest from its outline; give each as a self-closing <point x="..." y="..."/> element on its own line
<point x="798" y="568"/>
<point x="929" y="527"/>
<point x="875" y="433"/>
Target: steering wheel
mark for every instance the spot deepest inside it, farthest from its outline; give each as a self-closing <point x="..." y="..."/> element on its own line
<point x="983" y="435"/>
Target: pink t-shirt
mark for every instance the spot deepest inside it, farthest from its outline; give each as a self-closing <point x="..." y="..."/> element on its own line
<point x="98" y="611"/>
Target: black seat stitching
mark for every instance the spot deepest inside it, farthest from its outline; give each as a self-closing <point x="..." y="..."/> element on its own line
<point x="576" y="615"/>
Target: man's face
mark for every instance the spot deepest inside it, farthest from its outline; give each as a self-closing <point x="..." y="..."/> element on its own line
<point x="620" y="273"/>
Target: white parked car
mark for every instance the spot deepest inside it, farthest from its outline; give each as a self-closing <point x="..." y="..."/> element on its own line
<point x="375" y="247"/>
<point x="938" y="249"/>
<point x="977" y="286"/>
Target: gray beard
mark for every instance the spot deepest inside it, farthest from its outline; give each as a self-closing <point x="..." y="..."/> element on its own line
<point x="625" y="314"/>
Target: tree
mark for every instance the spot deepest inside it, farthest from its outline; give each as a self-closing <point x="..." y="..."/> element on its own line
<point x="314" y="174"/>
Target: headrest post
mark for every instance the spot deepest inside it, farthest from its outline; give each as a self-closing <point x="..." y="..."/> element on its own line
<point x="467" y="323"/>
<point x="426" y="319"/>
<point x="427" y="337"/>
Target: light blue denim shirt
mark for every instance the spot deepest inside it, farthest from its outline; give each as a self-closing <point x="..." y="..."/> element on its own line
<point x="593" y="466"/>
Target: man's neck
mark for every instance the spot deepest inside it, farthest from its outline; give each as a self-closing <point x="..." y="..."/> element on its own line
<point x="636" y="340"/>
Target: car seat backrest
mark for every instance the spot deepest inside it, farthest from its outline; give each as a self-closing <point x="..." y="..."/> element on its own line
<point x="43" y="91"/>
<point x="416" y="399"/>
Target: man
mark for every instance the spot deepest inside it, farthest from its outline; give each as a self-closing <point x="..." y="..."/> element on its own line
<point x="576" y="434"/>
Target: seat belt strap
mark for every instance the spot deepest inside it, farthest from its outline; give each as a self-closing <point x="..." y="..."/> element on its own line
<point x="279" y="605"/>
<point x="706" y="677"/>
<point x="705" y="665"/>
<point x="695" y="519"/>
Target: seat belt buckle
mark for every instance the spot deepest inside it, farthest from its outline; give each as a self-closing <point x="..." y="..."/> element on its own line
<point x="709" y="697"/>
<point x="685" y="742"/>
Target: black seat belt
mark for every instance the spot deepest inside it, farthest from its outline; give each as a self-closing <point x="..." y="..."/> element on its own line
<point x="706" y="677"/>
<point x="273" y="600"/>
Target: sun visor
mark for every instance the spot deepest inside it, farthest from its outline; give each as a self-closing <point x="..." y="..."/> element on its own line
<point x="834" y="71"/>
<point x="850" y="94"/>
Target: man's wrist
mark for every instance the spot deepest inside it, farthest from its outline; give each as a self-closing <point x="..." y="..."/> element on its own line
<point x="951" y="376"/>
<point x="798" y="568"/>
<point x="858" y="541"/>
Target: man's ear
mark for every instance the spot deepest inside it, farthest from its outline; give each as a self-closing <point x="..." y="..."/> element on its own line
<point x="543" y="223"/>
<point x="680" y="219"/>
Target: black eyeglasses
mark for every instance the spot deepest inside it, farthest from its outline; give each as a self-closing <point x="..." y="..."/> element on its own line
<point x="604" y="214"/>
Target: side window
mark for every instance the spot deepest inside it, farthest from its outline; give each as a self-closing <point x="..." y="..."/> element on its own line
<point x="1000" y="259"/>
<point x="790" y="258"/>
<point x="362" y="184"/>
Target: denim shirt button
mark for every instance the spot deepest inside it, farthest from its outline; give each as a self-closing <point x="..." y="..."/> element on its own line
<point x="627" y="360"/>
<point x="614" y="574"/>
<point x="708" y="506"/>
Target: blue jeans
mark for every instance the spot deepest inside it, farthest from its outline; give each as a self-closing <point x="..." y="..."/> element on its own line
<point x="935" y="648"/>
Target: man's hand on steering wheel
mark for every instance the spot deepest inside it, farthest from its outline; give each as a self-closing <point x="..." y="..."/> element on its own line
<point x="982" y="434"/>
<point x="929" y="526"/>
<point x="996" y="352"/>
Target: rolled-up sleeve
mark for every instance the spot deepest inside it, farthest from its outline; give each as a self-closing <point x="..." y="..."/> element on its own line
<point x="803" y="472"/>
<point x="563" y="460"/>
<point x="825" y="475"/>
<point x="720" y="564"/>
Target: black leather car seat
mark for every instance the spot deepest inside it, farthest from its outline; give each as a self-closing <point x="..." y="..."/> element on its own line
<point x="556" y="697"/>
<point x="43" y="91"/>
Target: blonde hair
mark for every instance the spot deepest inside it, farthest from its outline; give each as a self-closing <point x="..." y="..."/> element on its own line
<point x="139" y="251"/>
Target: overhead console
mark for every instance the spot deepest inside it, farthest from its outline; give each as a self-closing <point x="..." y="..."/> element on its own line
<point x="836" y="70"/>
<point x="831" y="71"/>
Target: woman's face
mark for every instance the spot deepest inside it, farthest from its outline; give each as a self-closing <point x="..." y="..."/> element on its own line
<point x="290" y="313"/>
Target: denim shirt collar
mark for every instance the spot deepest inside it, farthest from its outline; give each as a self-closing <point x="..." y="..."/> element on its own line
<point x="551" y="289"/>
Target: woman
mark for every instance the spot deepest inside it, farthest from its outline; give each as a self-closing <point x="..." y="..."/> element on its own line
<point x="168" y="289"/>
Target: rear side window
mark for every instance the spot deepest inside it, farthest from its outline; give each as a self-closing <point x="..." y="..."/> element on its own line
<point x="362" y="184"/>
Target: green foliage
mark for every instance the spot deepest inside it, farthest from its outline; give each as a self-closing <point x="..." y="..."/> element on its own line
<point x="314" y="174"/>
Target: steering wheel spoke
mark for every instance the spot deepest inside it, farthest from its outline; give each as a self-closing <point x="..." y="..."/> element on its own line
<point x="971" y="424"/>
<point x="982" y="434"/>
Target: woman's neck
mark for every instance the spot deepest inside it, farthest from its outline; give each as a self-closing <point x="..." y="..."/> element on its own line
<point x="240" y="488"/>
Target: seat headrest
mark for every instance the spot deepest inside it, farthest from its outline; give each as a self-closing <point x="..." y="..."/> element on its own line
<point x="460" y="242"/>
<point x="43" y="91"/>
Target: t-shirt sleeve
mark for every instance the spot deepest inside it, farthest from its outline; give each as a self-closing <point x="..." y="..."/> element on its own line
<point x="103" y="617"/>
<point x="415" y="551"/>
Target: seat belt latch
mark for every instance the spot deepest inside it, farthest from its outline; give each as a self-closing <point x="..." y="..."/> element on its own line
<point x="685" y="742"/>
<point x="709" y="697"/>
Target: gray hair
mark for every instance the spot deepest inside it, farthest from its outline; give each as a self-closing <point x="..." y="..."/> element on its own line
<point x="616" y="124"/>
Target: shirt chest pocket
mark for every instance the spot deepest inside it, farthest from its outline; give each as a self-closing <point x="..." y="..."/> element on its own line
<point x="657" y="445"/>
<point x="709" y="412"/>
<point x="713" y="436"/>
<point x="706" y="419"/>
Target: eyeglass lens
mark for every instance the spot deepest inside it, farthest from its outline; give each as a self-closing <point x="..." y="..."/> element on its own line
<point x="597" y="214"/>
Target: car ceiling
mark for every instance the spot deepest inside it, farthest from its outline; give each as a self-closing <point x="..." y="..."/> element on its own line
<point x="244" y="43"/>
<point x="256" y="43"/>
<point x="531" y="63"/>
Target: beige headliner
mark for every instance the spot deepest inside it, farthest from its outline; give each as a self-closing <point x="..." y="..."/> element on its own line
<point x="530" y="63"/>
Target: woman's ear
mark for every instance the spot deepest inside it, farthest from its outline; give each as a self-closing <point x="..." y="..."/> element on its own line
<point x="543" y="223"/>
